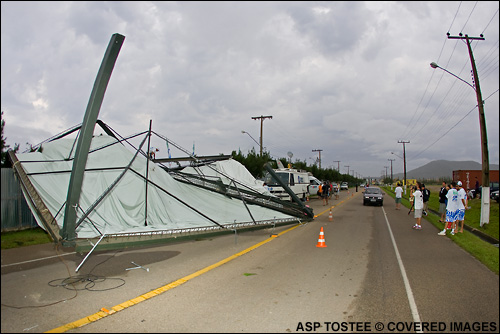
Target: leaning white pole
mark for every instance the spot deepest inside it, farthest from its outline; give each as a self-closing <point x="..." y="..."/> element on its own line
<point x="97" y="243"/>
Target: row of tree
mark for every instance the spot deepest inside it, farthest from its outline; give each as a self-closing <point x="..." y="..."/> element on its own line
<point x="254" y="162"/>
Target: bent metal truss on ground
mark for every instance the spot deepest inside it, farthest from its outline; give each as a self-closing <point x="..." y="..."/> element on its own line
<point x="94" y="187"/>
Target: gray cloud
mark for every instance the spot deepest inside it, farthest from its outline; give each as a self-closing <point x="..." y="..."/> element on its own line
<point x="350" y="78"/>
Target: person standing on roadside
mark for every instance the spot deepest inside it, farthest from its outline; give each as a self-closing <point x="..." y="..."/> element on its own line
<point x="476" y="189"/>
<point x="418" y="204"/>
<point x="399" y="194"/>
<point x="442" y="202"/>
<point x="325" y="190"/>
<point x="426" y="193"/>
<point x="462" y="205"/>
<point x="451" y="209"/>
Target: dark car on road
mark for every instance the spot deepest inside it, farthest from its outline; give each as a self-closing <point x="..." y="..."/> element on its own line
<point x="494" y="196"/>
<point x="373" y="195"/>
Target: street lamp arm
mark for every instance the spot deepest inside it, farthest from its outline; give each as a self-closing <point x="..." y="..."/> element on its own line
<point x="242" y="131"/>
<point x="396" y="155"/>
<point x="434" y="65"/>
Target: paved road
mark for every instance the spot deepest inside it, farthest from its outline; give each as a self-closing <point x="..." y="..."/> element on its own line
<point x="375" y="271"/>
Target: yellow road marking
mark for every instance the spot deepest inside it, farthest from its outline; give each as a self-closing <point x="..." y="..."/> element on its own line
<point x="333" y="206"/>
<point x="101" y="314"/>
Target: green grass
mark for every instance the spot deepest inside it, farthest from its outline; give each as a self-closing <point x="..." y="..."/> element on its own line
<point x="485" y="252"/>
<point x="22" y="238"/>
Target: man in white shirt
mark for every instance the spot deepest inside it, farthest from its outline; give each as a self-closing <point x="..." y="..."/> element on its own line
<point x="399" y="194"/>
<point x="462" y="205"/>
<point x="418" y="204"/>
<point x="451" y="209"/>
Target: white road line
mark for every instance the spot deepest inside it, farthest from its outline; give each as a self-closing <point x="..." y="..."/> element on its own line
<point x="409" y="293"/>
<point x="40" y="259"/>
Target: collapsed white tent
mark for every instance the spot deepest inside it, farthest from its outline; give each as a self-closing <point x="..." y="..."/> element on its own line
<point x="229" y="172"/>
<point x="171" y="205"/>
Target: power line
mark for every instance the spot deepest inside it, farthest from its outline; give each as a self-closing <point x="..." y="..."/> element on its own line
<point x="444" y="134"/>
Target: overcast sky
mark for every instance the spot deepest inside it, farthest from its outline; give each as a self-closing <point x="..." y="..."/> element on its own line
<point x="351" y="79"/>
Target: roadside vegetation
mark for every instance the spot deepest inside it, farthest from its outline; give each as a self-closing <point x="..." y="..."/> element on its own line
<point x="484" y="251"/>
<point x="34" y="236"/>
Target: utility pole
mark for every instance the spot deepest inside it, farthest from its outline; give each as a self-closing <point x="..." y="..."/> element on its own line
<point x="391" y="160"/>
<point x="485" y="196"/>
<point x="262" y="118"/>
<point x="347" y="169"/>
<point x="404" y="158"/>
<point x="338" y="165"/>
<point x="386" y="171"/>
<point x="319" y="157"/>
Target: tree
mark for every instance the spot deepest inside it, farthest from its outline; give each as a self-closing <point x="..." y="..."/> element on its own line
<point x="5" y="162"/>
<point x="253" y="161"/>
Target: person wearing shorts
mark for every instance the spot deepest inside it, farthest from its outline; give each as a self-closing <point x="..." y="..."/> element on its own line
<point x="418" y="199"/>
<point x="451" y="210"/>
<point x="399" y="194"/>
<point x="462" y="205"/>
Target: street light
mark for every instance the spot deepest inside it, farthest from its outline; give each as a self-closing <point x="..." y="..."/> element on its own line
<point x="485" y="195"/>
<point x="434" y="65"/>
<point x="242" y="131"/>
<point x="396" y="155"/>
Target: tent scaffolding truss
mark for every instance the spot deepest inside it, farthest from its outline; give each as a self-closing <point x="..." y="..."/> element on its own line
<point x="231" y="188"/>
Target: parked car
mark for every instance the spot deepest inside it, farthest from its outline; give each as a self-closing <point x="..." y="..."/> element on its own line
<point x="493" y="187"/>
<point x="373" y="195"/>
<point x="494" y="196"/>
<point x="344" y="186"/>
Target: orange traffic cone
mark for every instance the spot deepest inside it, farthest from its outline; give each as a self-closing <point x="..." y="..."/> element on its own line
<point x="330" y="216"/>
<point x="321" y="240"/>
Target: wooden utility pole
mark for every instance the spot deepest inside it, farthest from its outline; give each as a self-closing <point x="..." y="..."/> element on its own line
<point x="262" y="118"/>
<point x="338" y="165"/>
<point x="391" y="160"/>
<point x="319" y="151"/>
<point x="404" y="158"/>
<point x="485" y="196"/>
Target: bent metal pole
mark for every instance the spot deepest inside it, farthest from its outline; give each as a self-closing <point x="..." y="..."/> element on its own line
<point x="85" y="137"/>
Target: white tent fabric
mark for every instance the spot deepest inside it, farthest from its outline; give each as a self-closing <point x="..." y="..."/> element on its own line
<point x="226" y="171"/>
<point x="123" y="209"/>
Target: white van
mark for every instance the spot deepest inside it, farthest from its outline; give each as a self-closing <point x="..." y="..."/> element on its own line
<point x="297" y="180"/>
<point x="314" y="184"/>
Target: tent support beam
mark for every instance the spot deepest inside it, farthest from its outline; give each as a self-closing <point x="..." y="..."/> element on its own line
<point x="294" y="197"/>
<point x="85" y="259"/>
<point x="68" y="232"/>
<point x="110" y="188"/>
<point x="147" y="174"/>
<point x="243" y="200"/>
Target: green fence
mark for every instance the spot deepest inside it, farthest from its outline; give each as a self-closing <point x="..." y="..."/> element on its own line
<point x="15" y="212"/>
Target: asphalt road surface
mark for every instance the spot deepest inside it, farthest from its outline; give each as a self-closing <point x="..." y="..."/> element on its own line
<point x="376" y="274"/>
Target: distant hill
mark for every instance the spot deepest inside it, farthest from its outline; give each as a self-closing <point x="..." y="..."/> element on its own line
<point x="441" y="169"/>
